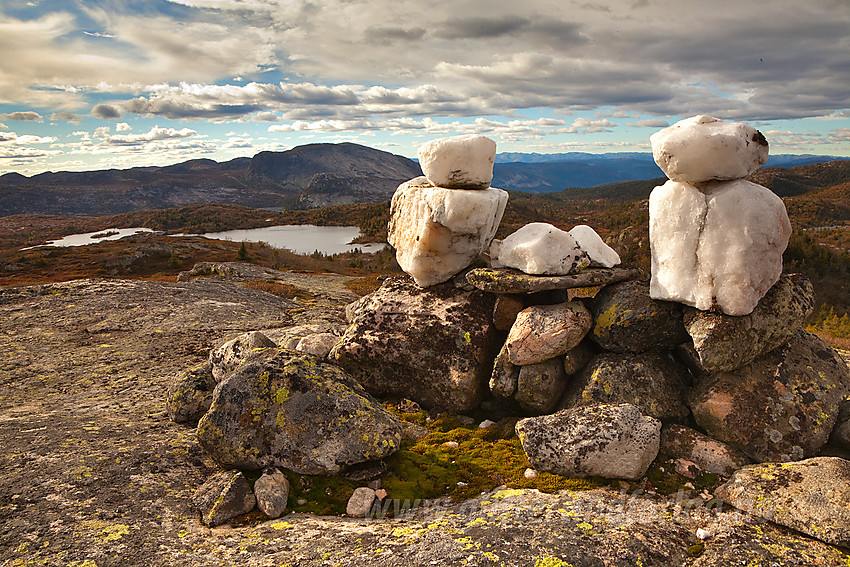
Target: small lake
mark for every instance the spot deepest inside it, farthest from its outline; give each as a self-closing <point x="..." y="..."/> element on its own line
<point x="301" y="239"/>
<point x="93" y="237"/>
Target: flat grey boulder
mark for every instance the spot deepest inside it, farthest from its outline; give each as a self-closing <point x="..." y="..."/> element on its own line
<point x="287" y="409"/>
<point x="507" y="280"/>
<point x="608" y="440"/>
<point x="724" y="343"/>
<point x="653" y="382"/>
<point x="810" y="496"/>
<point x="223" y="497"/>
<point x="626" y="319"/>
<point x="230" y="355"/>
<point x="781" y="407"/>
<point x="434" y="346"/>
<point x="541" y="332"/>
<point x="190" y="395"/>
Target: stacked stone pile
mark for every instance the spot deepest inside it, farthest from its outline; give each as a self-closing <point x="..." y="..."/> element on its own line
<point x="711" y="373"/>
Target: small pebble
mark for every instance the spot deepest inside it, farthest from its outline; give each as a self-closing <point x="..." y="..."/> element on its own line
<point x="486" y="423"/>
<point x="703" y="534"/>
<point x="530" y="473"/>
<point x="375" y="484"/>
<point x="688" y="485"/>
<point x="380" y="494"/>
<point x="451" y="444"/>
<point x="461" y="483"/>
<point x="301" y="501"/>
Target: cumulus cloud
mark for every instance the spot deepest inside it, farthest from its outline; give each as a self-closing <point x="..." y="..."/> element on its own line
<point x="123" y="127"/>
<point x="105" y="111"/>
<point x="24" y="116"/>
<point x="650" y="123"/>
<point x="66" y="115"/>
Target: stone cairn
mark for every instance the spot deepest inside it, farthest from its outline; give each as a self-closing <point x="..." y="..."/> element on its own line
<point x="706" y="365"/>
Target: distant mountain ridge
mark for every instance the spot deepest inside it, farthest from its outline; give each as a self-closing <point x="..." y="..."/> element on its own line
<point x="319" y="175"/>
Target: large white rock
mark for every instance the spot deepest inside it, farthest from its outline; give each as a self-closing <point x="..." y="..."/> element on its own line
<point x="720" y="244"/>
<point x="459" y="162"/>
<point x="600" y="254"/>
<point x="539" y="248"/>
<point x="437" y="232"/>
<point x="704" y="148"/>
<point x="543" y="249"/>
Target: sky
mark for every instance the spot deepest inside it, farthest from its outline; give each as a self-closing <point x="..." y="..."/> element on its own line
<point x="98" y="84"/>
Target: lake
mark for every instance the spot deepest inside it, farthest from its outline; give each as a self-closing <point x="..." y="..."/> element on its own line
<point x="301" y="239"/>
<point x="93" y="237"/>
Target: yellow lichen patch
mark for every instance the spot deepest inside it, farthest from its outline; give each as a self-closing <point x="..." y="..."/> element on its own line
<point x="106" y="532"/>
<point x="508" y="493"/>
<point x="551" y="562"/>
<point x="282" y="525"/>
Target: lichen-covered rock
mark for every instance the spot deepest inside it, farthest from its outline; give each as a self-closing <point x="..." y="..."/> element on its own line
<point x="841" y="432"/>
<point x="360" y="503"/>
<point x="626" y="319"/>
<point x="539" y="386"/>
<point x="810" y="496"/>
<point x="578" y="357"/>
<point x="505" y="310"/>
<point x="231" y="354"/>
<point x="503" y="380"/>
<point x="223" y="497"/>
<point x="608" y="440"/>
<point x="190" y="396"/>
<point x="506" y="280"/>
<point x="541" y="332"/>
<point x="437" y="232"/>
<point x="434" y="346"/>
<point x="317" y="344"/>
<point x="780" y="407"/>
<point x="283" y="408"/>
<point x="710" y="455"/>
<point x="272" y="492"/>
<point x="653" y="382"/>
<point x="724" y="343"/>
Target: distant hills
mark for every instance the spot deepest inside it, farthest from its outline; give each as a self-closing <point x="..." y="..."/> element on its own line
<point x="319" y="175"/>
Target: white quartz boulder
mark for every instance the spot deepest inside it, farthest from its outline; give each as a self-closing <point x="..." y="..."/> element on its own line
<point x="459" y="162"/>
<point x="601" y="255"/>
<point x="540" y="248"/>
<point x="703" y="148"/>
<point x="437" y="232"/>
<point x="717" y="245"/>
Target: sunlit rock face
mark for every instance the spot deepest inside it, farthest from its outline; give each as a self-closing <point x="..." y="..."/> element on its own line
<point x="459" y="162"/>
<point x="540" y="248"/>
<point x="717" y="244"/>
<point x="437" y="231"/>
<point x="703" y="148"/>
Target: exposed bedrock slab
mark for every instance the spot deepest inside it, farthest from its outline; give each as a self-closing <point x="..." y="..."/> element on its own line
<point x="702" y="148"/>
<point x="653" y="382"/>
<point x="626" y="319"/>
<point x="283" y="408"/>
<point x="506" y="280"/>
<point x="716" y="245"/>
<point x="810" y="496"/>
<point x="435" y="346"/>
<point x="781" y="407"/>
<point x="724" y="343"/>
<point x="541" y="332"/>
<point x="437" y="232"/>
<point x="613" y="441"/>
<point x="459" y="162"/>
